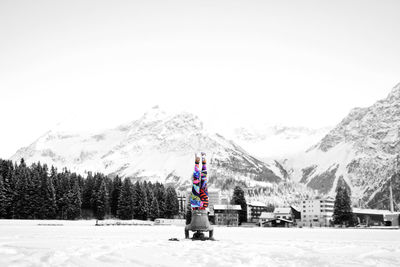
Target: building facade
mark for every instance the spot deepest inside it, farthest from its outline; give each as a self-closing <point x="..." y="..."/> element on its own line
<point x="254" y="210"/>
<point x="372" y="217"/>
<point x="227" y="214"/>
<point x="317" y="212"/>
<point x="281" y="217"/>
<point x="214" y="198"/>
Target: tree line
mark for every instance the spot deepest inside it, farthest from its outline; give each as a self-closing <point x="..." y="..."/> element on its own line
<point x="40" y="192"/>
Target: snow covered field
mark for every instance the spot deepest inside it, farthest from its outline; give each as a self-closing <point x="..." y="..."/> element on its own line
<point x="80" y="243"/>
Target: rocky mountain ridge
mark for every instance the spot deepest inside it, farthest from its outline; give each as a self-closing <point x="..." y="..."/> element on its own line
<point x="158" y="147"/>
<point x="359" y="152"/>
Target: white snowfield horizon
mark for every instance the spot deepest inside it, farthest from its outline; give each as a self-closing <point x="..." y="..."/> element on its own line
<point x="80" y="243"/>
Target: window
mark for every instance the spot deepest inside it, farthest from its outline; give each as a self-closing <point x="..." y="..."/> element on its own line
<point x="304" y="210"/>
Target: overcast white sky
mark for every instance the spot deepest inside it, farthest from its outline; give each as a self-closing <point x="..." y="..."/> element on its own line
<point x="286" y="62"/>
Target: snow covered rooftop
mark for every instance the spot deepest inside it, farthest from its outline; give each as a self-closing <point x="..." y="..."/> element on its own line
<point x="372" y="211"/>
<point x="282" y="210"/>
<point x="267" y="215"/>
<point x="256" y="204"/>
<point x="227" y="207"/>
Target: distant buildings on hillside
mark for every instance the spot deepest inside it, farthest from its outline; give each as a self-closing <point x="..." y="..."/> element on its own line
<point x="315" y="212"/>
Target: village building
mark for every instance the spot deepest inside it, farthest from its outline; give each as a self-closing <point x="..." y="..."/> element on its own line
<point x="281" y="217"/>
<point x="214" y="198"/>
<point x="265" y="218"/>
<point x="296" y="213"/>
<point x="254" y="210"/>
<point x="227" y="215"/>
<point x="283" y="213"/>
<point x="373" y="217"/>
<point x="317" y="212"/>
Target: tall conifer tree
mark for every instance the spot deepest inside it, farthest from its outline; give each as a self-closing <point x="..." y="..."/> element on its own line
<point x="171" y="203"/>
<point x="73" y="202"/>
<point x="8" y="172"/>
<point x="140" y="204"/>
<point x="342" y="210"/>
<point x="48" y="197"/>
<point x="125" y="201"/>
<point x="22" y="204"/>
<point x="102" y="200"/>
<point x="239" y="199"/>
<point x="2" y="199"/>
<point x="116" y="191"/>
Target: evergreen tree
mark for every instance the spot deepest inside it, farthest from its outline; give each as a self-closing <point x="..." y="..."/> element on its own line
<point x="140" y="204"/>
<point x="116" y="191"/>
<point x="159" y="193"/>
<point x="49" y="206"/>
<point x="171" y="203"/>
<point x="73" y="202"/>
<point x="125" y="201"/>
<point x="95" y="192"/>
<point x="102" y="201"/>
<point x="21" y="200"/>
<point x="35" y="194"/>
<point x="3" y="212"/>
<point x="239" y="199"/>
<point x="41" y="194"/>
<point x="63" y="194"/>
<point x="154" y="210"/>
<point x="110" y="188"/>
<point x="342" y="211"/>
<point x="87" y="192"/>
<point x="8" y="172"/>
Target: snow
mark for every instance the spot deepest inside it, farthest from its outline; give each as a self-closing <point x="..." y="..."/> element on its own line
<point x="80" y="243"/>
<point x="256" y="204"/>
<point x="276" y="142"/>
<point x="282" y="210"/>
<point x="372" y="211"/>
<point x="342" y="154"/>
<point x="155" y="146"/>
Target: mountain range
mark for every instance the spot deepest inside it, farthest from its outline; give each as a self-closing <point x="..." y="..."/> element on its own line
<point x="360" y="152"/>
<point x="275" y="163"/>
<point x="159" y="146"/>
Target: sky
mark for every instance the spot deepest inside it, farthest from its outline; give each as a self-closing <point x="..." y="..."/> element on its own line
<point x="103" y="63"/>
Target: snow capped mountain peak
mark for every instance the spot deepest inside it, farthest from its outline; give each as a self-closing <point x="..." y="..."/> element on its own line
<point x="154" y="114"/>
<point x="159" y="146"/>
<point x="395" y="93"/>
<point x="360" y="151"/>
<point x="277" y="141"/>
